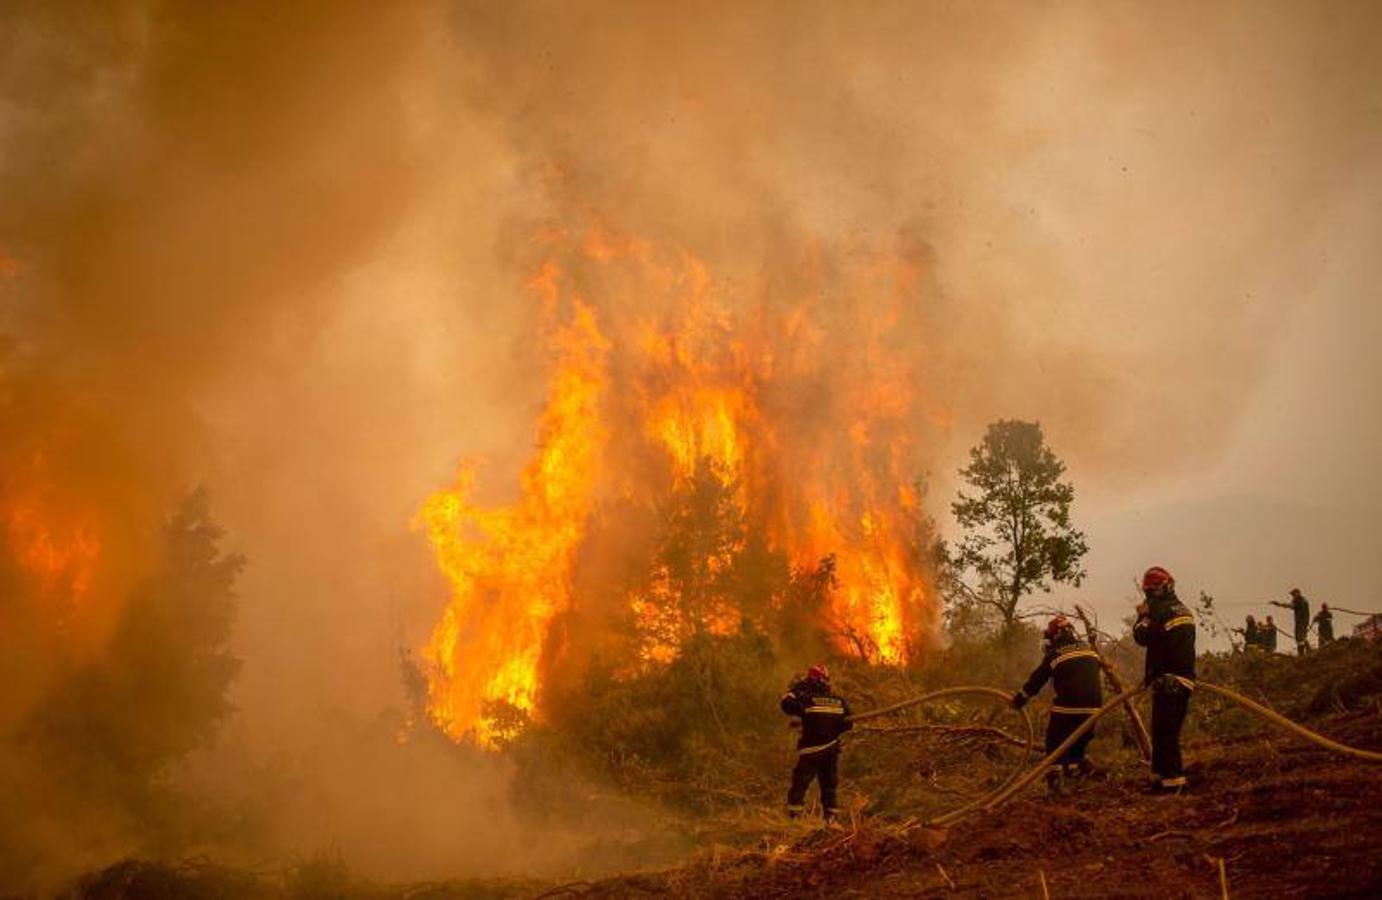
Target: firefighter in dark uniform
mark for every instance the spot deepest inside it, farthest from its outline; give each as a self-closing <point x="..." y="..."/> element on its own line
<point x="1167" y="629"/>
<point x="1300" y="609"/>
<point x="1252" y="634"/>
<point x="824" y="717"/>
<point x="1073" y="667"/>
<point x="1324" y="621"/>
<point x="1267" y="636"/>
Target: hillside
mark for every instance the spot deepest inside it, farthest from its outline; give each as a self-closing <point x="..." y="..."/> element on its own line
<point x="1286" y="818"/>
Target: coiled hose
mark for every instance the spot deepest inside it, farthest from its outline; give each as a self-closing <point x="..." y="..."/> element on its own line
<point x="1019" y="779"/>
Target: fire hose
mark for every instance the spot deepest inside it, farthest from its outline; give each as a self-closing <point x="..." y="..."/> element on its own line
<point x="1020" y="780"/>
<point x="962" y="690"/>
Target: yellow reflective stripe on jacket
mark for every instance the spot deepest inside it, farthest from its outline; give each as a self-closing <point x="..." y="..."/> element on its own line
<point x="1177" y="622"/>
<point x="805" y="750"/>
<point x="1075" y="710"/>
<point x="1072" y="654"/>
<point x="833" y="710"/>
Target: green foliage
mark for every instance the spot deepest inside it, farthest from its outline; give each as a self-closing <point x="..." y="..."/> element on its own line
<point x="683" y="732"/>
<point x="1001" y="657"/>
<point x="796" y="621"/>
<point x="695" y="570"/>
<point x="1018" y="532"/>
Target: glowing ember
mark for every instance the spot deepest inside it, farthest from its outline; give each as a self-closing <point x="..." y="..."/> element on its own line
<point x="660" y="380"/>
<point x="59" y="556"/>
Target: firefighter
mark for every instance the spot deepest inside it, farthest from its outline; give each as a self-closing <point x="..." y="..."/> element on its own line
<point x="1324" y="621"/>
<point x="1267" y="636"/>
<point x="1300" y="609"/>
<point x="1252" y="634"/>
<point x="1073" y="668"/>
<point x="824" y="716"/>
<point x="1167" y="629"/>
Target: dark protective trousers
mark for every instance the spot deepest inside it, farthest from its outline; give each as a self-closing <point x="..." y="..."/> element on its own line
<point x="1059" y="727"/>
<point x="1302" y="639"/>
<point x="822" y="766"/>
<point x="1168" y="715"/>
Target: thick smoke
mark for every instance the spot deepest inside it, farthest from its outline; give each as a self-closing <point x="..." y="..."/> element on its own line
<point x="1121" y="202"/>
<point x="277" y="248"/>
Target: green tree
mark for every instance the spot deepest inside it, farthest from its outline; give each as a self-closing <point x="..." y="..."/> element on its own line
<point x="1018" y="536"/>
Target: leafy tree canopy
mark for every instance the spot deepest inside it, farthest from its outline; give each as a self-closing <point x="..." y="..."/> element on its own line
<point x="1015" y="515"/>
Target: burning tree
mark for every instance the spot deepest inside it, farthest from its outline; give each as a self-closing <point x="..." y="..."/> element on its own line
<point x="1018" y="533"/>
<point x="699" y="444"/>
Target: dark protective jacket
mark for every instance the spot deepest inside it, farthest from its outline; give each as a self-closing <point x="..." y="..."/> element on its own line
<point x="1300" y="608"/>
<point x="1267" y="637"/>
<point x="1073" y="667"/>
<point x="1325" y="620"/>
<point x="822" y="713"/>
<point x="1168" y="632"/>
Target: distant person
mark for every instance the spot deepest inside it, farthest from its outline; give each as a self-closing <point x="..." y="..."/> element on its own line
<point x="1324" y="624"/>
<point x="823" y="715"/>
<point x="1252" y="634"/>
<point x="1300" y="608"/>
<point x="1167" y="629"/>
<point x="1267" y="636"/>
<point x="1073" y="668"/>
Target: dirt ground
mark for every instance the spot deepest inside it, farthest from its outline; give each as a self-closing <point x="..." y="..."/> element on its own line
<point x="1287" y="820"/>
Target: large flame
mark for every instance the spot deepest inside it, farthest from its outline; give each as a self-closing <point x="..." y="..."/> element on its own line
<point x="509" y="566"/>
<point x="802" y="413"/>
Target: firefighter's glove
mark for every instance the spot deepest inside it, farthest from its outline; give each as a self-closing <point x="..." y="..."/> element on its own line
<point x="1019" y="700"/>
<point x="1167" y="684"/>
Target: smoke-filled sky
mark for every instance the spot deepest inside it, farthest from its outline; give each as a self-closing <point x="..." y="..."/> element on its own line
<point x="279" y="248"/>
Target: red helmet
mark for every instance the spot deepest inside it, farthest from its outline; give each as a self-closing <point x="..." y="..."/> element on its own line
<point x="818" y="672"/>
<point x="1056" y="626"/>
<point x="1157" y="579"/>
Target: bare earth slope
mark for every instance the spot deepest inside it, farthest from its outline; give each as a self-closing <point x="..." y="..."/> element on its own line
<point x="1288" y="821"/>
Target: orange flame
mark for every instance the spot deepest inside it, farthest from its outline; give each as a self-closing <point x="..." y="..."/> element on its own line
<point x="509" y="566"/>
<point x="804" y="414"/>
<point x="59" y="555"/>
